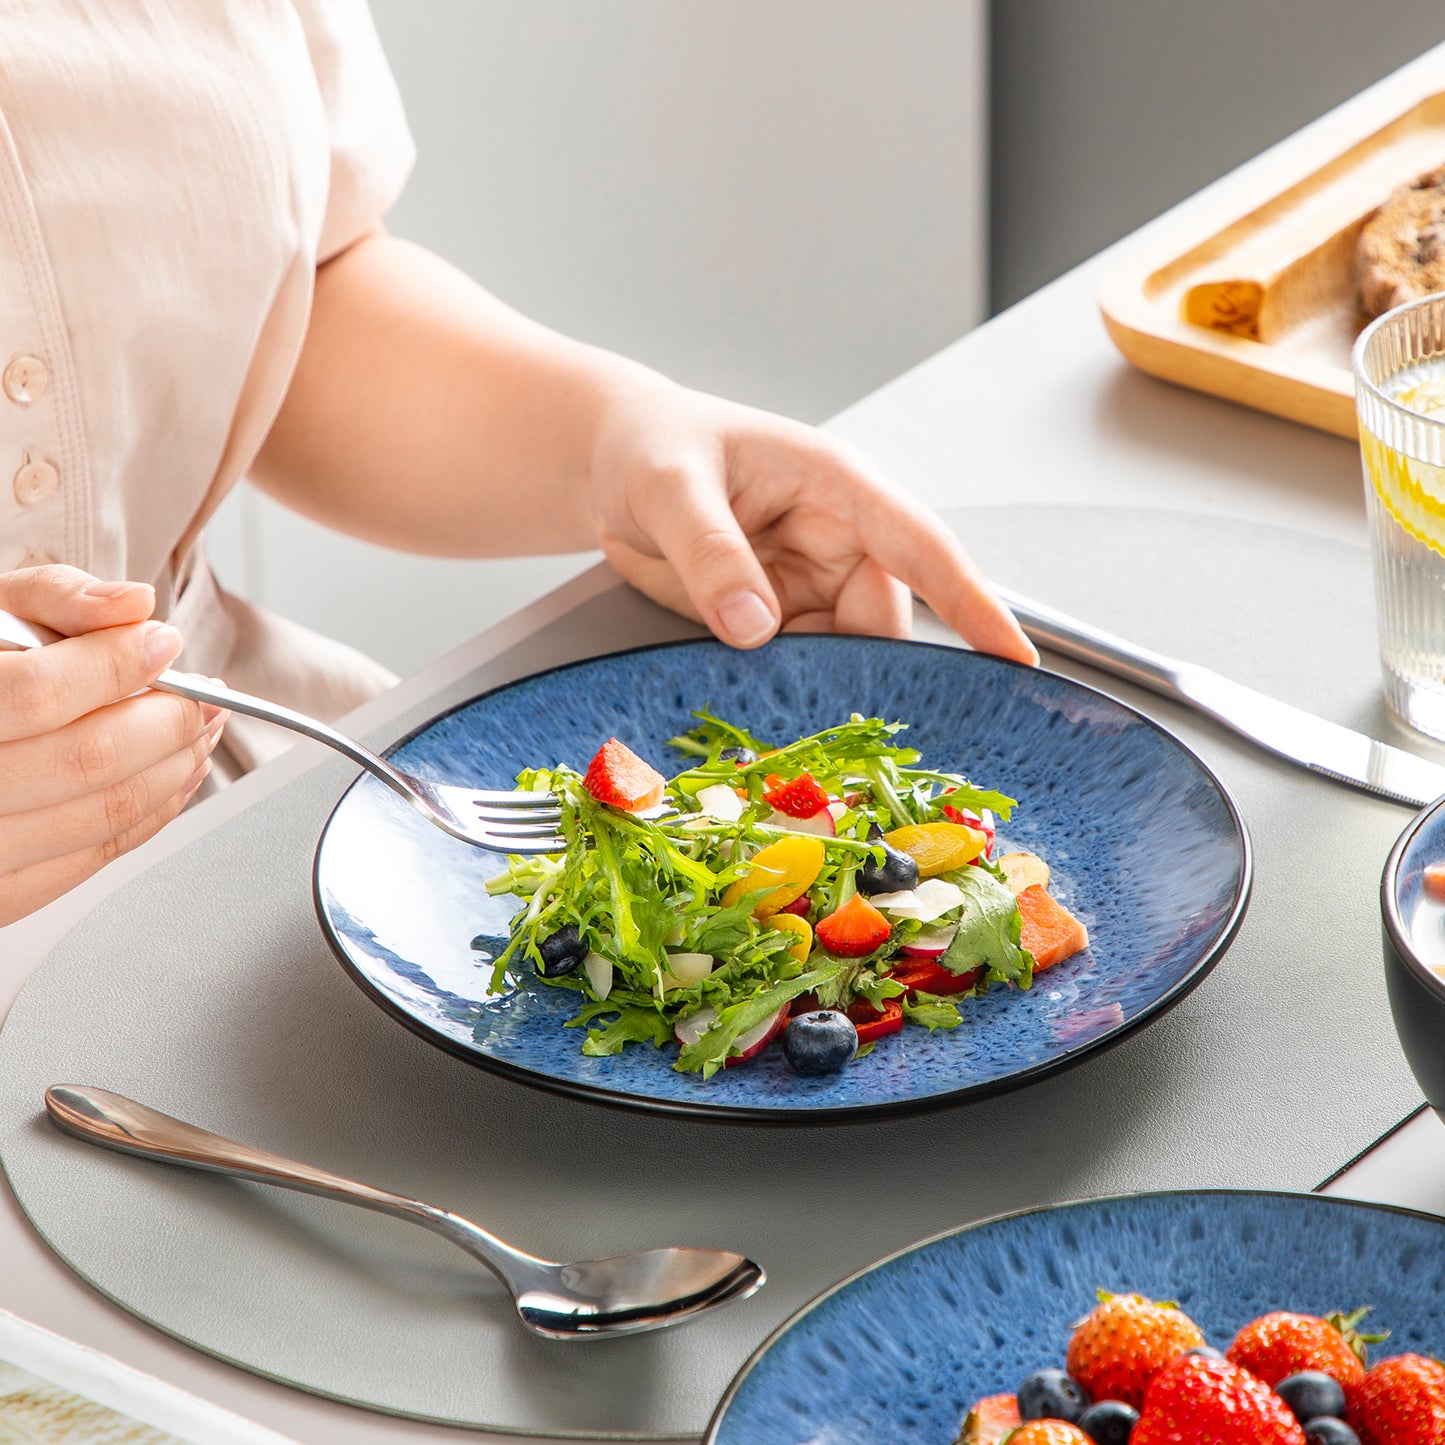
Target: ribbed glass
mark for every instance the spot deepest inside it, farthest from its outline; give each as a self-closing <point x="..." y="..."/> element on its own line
<point x="1399" y="366"/>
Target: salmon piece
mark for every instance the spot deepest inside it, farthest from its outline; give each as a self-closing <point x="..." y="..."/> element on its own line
<point x="619" y="777"/>
<point x="1050" y="932"/>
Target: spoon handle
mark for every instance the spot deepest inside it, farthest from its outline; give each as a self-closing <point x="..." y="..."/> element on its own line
<point x="100" y="1117"/>
<point x="119" y="1123"/>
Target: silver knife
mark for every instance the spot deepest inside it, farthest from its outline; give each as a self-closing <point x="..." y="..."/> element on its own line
<point x="1289" y="732"/>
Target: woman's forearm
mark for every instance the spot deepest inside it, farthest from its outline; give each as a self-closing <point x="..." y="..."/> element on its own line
<point x="428" y="416"/>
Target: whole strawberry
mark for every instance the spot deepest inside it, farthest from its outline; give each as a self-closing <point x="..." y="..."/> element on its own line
<point x="1400" y="1401"/>
<point x="1282" y="1343"/>
<point x="1125" y="1342"/>
<point x="1197" y="1401"/>
<point x="1049" y="1432"/>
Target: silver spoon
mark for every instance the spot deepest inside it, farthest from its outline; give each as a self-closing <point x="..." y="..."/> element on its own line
<point x="620" y="1295"/>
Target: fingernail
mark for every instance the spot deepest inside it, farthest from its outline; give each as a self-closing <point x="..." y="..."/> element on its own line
<point x="108" y="591"/>
<point x="162" y="644"/>
<point x="215" y="727"/>
<point x="197" y="778"/>
<point x="745" y="619"/>
<point x="210" y="712"/>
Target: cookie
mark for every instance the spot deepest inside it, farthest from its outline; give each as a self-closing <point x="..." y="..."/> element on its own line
<point x="1401" y="252"/>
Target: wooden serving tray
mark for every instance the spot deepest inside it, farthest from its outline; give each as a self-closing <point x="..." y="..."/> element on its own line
<point x="1257" y="300"/>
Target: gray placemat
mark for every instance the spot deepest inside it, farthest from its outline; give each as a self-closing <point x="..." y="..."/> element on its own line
<point x="205" y="988"/>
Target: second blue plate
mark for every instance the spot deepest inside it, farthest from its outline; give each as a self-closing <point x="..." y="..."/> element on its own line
<point x="1146" y="847"/>
<point x="902" y="1350"/>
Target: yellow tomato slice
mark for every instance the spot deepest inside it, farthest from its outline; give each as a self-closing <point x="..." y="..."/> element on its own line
<point x="790" y="865"/>
<point x="937" y="847"/>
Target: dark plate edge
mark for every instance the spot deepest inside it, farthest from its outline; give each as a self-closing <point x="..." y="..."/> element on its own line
<point x="735" y="1114"/>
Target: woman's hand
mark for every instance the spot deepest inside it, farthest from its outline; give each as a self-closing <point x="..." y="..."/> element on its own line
<point x="749" y="523"/>
<point x="90" y="766"/>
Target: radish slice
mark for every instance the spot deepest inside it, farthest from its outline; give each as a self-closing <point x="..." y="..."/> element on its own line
<point x="929" y="900"/>
<point x="720" y="802"/>
<point x="686" y="968"/>
<point x="690" y="1029"/>
<point x="756" y="1040"/>
<point x="932" y="943"/>
<point x="820" y="824"/>
<point x="599" y="974"/>
<point x="837" y="808"/>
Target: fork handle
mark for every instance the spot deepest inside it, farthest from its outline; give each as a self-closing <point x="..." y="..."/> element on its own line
<point x="16" y="634"/>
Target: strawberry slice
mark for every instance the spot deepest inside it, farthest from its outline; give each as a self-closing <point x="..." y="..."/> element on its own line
<point x="854" y="929"/>
<point x="991" y="1421"/>
<point x="799" y="797"/>
<point x="619" y="777"/>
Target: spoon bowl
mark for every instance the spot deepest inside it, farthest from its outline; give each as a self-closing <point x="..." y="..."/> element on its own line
<point x="619" y="1295"/>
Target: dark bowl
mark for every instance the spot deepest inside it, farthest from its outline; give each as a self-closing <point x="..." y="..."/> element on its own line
<point x="1414" y="936"/>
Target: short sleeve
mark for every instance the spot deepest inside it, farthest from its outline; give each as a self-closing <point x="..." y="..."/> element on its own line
<point x="371" y="146"/>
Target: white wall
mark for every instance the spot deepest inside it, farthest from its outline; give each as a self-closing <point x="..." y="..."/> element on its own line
<point x="1107" y="112"/>
<point x="779" y="200"/>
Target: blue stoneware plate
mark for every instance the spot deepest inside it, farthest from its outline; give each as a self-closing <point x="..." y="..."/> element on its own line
<point x="1146" y="847"/>
<point x="898" y="1352"/>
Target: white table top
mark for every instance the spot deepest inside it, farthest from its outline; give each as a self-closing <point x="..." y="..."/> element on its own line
<point x="1036" y="407"/>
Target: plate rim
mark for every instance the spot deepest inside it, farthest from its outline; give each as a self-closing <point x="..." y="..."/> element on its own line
<point x="719" y="1415"/>
<point x="816" y="1114"/>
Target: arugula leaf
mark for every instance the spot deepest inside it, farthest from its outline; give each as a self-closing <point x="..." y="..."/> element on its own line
<point x="632" y="1025"/>
<point x="932" y="1011"/>
<point x="709" y="1052"/>
<point x="989" y="929"/>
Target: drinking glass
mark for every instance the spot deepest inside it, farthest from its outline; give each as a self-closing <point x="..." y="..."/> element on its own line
<point x="1399" y="366"/>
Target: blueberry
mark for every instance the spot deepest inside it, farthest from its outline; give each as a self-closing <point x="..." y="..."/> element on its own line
<point x="1110" y="1422"/>
<point x="1051" y="1395"/>
<point x="895" y="874"/>
<point x="1310" y="1394"/>
<point x="561" y="952"/>
<point x="741" y="756"/>
<point x="1205" y="1352"/>
<point x="1328" y="1430"/>
<point x="820" y="1042"/>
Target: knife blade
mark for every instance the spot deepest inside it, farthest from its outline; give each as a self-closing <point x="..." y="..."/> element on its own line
<point x="1326" y="748"/>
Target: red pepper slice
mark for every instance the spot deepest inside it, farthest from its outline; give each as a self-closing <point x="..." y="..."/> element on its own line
<point x="927" y="975"/>
<point x="874" y="1025"/>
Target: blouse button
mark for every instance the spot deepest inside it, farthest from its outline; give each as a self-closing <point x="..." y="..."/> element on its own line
<point x="25" y="380"/>
<point x="34" y="482"/>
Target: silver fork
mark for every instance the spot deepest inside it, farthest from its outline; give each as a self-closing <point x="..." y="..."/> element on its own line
<point x="500" y="821"/>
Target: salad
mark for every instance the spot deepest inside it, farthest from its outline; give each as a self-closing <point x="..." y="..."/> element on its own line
<point x="831" y="890"/>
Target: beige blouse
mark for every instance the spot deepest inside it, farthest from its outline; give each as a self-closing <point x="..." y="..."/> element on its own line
<point x="171" y="174"/>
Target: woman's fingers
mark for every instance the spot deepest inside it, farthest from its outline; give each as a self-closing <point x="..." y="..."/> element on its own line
<point x="72" y="601"/>
<point x="97" y="819"/>
<point x="912" y="544"/>
<point x="45" y="688"/>
<point x="91" y="763"/>
<point x="686" y="514"/>
<point x="99" y="749"/>
<point x="25" y="890"/>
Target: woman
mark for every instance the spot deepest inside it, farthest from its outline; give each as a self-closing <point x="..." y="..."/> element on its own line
<point x="195" y="286"/>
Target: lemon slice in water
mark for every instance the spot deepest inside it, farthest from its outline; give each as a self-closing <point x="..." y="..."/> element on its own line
<point x="1413" y="492"/>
